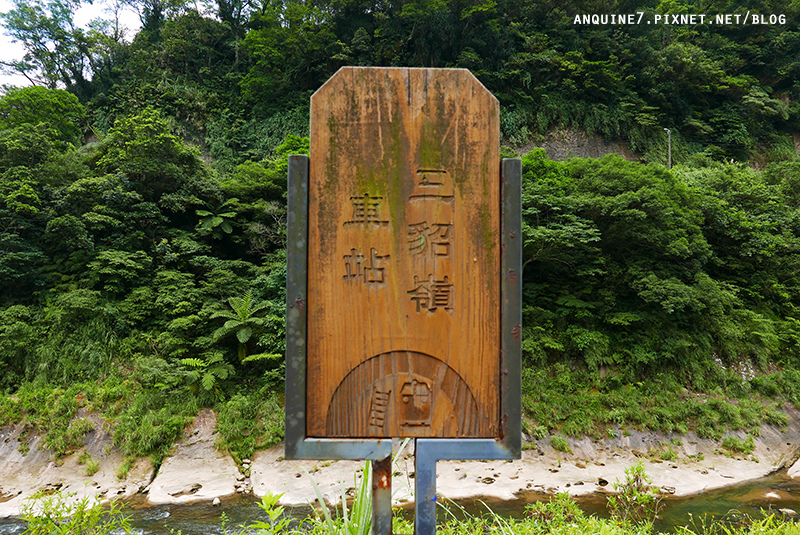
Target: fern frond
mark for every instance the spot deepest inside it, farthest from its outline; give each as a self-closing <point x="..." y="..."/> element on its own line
<point x="262" y="356"/>
<point x="209" y="380"/>
<point x="243" y="334"/>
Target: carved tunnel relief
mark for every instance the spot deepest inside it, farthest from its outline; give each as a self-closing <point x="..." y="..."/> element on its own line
<point x="404" y="394"/>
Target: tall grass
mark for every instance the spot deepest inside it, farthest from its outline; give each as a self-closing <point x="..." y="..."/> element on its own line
<point x="356" y="521"/>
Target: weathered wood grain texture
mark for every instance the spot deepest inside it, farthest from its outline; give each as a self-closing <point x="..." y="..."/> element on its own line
<point x="403" y="268"/>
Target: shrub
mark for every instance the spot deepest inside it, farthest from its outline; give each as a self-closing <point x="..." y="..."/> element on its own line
<point x="635" y="502"/>
<point x="560" y="444"/>
<point x="668" y="454"/>
<point x="53" y="514"/>
<point x="738" y="445"/>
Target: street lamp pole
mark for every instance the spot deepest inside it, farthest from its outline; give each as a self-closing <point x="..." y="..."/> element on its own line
<point x="669" y="147"/>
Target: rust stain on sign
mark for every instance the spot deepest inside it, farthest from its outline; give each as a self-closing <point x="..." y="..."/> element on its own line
<point x="403" y="268"/>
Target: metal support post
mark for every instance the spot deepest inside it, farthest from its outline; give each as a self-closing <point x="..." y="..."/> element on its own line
<point x="424" y="489"/>
<point x="428" y="451"/>
<point x="382" y="496"/>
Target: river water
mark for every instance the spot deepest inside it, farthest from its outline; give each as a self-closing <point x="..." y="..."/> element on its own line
<point x="772" y="492"/>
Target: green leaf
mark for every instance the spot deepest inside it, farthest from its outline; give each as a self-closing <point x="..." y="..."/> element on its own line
<point x="262" y="356"/>
<point x="209" y="380"/>
<point x="243" y="335"/>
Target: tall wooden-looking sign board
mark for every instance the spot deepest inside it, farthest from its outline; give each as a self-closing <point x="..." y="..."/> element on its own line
<point x="402" y="288"/>
<point x="403" y="309"/>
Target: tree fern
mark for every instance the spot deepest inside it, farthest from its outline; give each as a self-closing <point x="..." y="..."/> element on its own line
<point x="242" y="320"/>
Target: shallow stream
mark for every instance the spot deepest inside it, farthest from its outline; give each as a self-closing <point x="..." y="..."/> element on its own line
<point x="772" y="492"/>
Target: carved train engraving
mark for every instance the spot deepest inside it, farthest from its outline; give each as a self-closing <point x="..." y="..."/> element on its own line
<point x="416" y="397"/>
<point x="431" y="400"/>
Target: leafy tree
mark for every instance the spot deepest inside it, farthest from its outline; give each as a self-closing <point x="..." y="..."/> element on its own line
<point x="218" y="222"/>
<point x="59" y="110"/>
<point x="115" y="271"/>
<point x="154" y="160"/>
<point x="17" y="336"/>
<point x="245" y="323"/>
<point x="153" y="13"/>
<point x="291" y="49"/>
<point x="620" y="270"/>
<point x="26" y="146"/>
<point x="56" y="50"/>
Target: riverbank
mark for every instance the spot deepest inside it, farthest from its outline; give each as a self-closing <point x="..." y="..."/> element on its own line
<point x="196" y="471"/>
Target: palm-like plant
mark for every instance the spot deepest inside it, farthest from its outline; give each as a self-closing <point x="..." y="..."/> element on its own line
<point x="207" y="373"/>
<point x="244" y="321"/>
<point x="217" y="222"/>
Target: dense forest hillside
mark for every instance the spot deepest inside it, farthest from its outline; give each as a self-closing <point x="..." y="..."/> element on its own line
<point x="143" y="187"/>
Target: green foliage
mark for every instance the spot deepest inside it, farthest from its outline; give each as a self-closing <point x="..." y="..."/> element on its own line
<point x="54" y="414"/>
<point x="635" y="501"/>
<point x="771" y="524"/>
<point x="738" y="445"/>
<point x="275" y="522"/>
<point x="124" y="469"/>
<point x="631" y="267"/>
<point x="57" y="109"/>
<point x="151" y="421"/>
<point x="582" y="403"/>
<point x="668" y="454"/>
<point x="560" y="444"/>
<point x="245" y="323"/>
<point x="26" y="147"/>
<point x="559" y="510"/>
<point x="92" y="467"/>
<point x="219" y="222"/>
<point x="250" y="422"/>
<point x="207" y="373"/>
<point x="58" y="514"/>
<point x="116" y="271"/>
<point x="154" y="160"/>
<point x="17" y="336"/>
<point x="562" y="516"/>
<point x="358" y="519"/>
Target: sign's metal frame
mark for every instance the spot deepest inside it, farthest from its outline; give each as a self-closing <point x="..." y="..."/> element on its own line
<point x="429" y="450"/>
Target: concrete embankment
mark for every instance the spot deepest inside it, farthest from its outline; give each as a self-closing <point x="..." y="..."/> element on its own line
<point x="196" y="471"/>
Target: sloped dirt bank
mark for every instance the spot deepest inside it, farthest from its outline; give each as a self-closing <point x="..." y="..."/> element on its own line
<point x="197" y="472"/>
<point x="27" y="467"/>
<point x="695" y="465"/>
